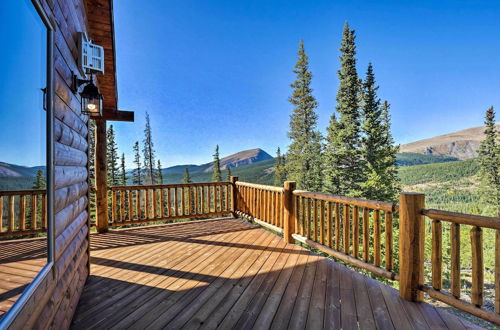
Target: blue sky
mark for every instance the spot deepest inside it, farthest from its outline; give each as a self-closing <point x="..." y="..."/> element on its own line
<point x="218" y="72"/>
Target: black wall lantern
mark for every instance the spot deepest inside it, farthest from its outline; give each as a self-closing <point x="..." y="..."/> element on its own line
<point x="91" y="98"/>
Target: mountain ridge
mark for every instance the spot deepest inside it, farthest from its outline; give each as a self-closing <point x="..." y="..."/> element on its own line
<point x="462" y="144"/>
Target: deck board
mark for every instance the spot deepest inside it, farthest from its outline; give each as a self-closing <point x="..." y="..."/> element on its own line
<point x="226" y="273"/>
<point x="20" y="261"/>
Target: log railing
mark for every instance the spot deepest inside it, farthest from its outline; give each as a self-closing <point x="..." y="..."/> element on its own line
<point x="140" y="204"/>
<point x="356" y="231"/>
<point x="453" y="298"/>
<point x="262" y="204"/>
<point x="22" y="212"/>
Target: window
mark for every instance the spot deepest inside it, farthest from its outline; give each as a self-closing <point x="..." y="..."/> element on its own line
<point x="26" y="174"/>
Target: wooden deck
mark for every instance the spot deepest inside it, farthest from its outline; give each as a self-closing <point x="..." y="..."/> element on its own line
<point x="20" y="262"/>
<point x="226" y="273"/>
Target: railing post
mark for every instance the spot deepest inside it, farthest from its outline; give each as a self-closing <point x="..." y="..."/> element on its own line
<point x="288" y="211"/>
<point x="411" y="246"/>
<point x="101" y="177"/>
<point x="234" y="195"/>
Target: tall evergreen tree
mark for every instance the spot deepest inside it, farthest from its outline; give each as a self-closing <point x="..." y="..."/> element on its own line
<point x="123" y="172"/>
<point x="489" y="162"/>
<point x="304" y="152"/>
<point x="216" y="176"/>
<point x="112" y="157"/>
<point x="137" y="171"/>
<point x="160" y="173"/>
<point x="39" y="182"/>
<point x="279" y="169"/>
<point x="187" y="176"/>
<point x="344" y="170"/>
<point x="149" y="152"/>
<point x="229" y="173"/>
<point x="377" y="145"/>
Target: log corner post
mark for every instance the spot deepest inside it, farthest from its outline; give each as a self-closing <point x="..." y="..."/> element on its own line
<point x="411" y="246"/>
<point x="288" y="211"/>
<point x="234" y="195"/>
<point x="101" y="177"/>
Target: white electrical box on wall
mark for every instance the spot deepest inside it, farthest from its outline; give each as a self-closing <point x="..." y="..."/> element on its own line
<point x="91" y="56"/>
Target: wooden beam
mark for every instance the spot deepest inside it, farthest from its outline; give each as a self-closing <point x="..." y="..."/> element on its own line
<point x="101" y="177"/>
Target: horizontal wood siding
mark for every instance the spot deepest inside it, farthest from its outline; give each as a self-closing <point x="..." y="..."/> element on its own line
<point x="54" y="302"/>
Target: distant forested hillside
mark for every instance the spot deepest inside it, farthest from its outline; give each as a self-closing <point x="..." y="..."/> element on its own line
<point x="410" y="158"/>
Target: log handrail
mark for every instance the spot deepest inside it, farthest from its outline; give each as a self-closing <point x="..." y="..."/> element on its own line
<point x="350" y="229"/>
<point x="25" y="212"/>
<point x="167" y="202"/>
<point x="453" y="298"/>
<point x="375" y="205"/>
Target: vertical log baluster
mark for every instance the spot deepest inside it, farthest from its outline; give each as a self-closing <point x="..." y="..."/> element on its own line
<point x="162" y="203"/>
<point x="347" y="228"/>
<point x="303" y="231"/>
<point x="138" y="204"/>
<point x="203" y="199"/>
<point x="147" y="203"/>
<point x="114" y="210"/>
<point x="1" y="214"/>
<point x="220" y="198"/>
<point x="228" y="198"/>
<point x="355" y="231"/>
<point x="437" y="254"/>
<point x="130" y="205"/>
<point x="44" y="211"/>
<point x="10" y="214"/>
<point x="497" y="271"/>
<point x="366" y="234"/>
<point x="154" y="197"/>
<point x="476" y="237"/>
<point x="215" y="199"/>
<point x="308" y="218"/>
<point x="22" y="212"/>
<point x="376" y="238"/>
<point x="34" y="211"/>
<point x="322" y="222"/>
<point x="176" y="203"/>
<point x="388" y="241"/>
<point x="329" y="224"/>
<point x="122" y="205"/>
<point x="314" y="222"/>
<point x="337" y="226"/>
<point x="455" y="259"/>
<point x="183" y="200"/>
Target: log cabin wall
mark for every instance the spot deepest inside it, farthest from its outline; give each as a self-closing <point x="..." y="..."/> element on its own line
<point x="53" y="303"/>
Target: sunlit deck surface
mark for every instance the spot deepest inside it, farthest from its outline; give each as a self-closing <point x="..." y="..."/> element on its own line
<point x="226" y="273"/>
<point x="20" y="262"/>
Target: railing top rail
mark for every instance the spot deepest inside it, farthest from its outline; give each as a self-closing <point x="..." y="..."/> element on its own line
<point x="260" y="186"/>
<point x="464" y="219"/>
<point x="377" y="205"/>
<point x="22" y="192"/>
<point x="173" y="185"/>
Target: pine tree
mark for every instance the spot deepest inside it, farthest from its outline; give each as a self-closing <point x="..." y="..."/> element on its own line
<point x="112" y="157"/>
<point x="137" y="171"/>
<point x="187" y="177"/>
<point x="489" y="162"/>
<point x="216" y="176"/>
<point x="39" y="182"/>
<point x="279" y="169"/>
<point x="123" y="173"/>
<point x="377" y="145"/>
<point x="160" y="173"/>
<point x="304" y="152"/>
<point x="344" y="163"/>
<point x="228" y="173"/>
<point x="148" y="151"/>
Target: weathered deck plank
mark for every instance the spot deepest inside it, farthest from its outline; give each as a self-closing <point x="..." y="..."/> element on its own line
<point x="226" y="273"/>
